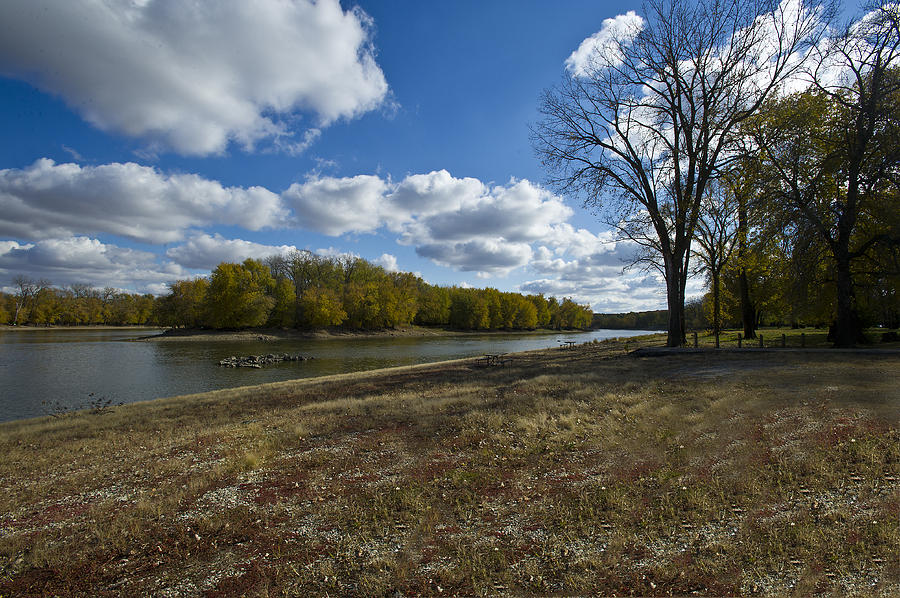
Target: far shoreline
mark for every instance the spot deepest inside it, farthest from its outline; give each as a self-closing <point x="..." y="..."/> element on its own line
<point x="51" y="328"/>
<point x="265" y="334"/>
<point x="280" y="334"/>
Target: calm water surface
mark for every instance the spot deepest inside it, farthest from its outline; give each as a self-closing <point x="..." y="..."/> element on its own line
<point x="68" y="365"/>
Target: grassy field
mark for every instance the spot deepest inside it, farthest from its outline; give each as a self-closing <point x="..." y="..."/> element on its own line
<point x="793" y="338"/>
<point x="585" y="471"/>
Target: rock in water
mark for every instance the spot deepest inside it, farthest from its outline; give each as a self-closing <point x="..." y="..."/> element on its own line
<point x="258" y="361"/>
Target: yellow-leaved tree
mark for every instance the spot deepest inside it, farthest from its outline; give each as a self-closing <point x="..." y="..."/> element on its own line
<point x="239" y="295"/>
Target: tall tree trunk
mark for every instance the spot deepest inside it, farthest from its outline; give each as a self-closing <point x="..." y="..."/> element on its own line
<point x="676" y="334"/>
<point x="847" y="328"/>
<point x="675" y="282"/>
<point x="748" y="309"/>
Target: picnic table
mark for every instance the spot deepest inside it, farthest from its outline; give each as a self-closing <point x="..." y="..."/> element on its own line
<point x="489" y="359"/>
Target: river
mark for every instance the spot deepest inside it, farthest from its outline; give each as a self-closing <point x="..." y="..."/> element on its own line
<point x="70" y="368"/>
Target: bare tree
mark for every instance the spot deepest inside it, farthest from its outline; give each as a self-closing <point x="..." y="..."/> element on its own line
<point x="27" y="291"/>
<point x="279" y="265"/>
<point x="653" y="119"/>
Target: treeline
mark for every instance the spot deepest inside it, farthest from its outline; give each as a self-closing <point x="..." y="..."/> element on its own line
<point x="881" y="309"/>
<point x="301" y="290"/>
<point x="793" y="292"/>
<point x="633" y="320"/>
<point x="779" y="310"/>
<point x="806" y="231"/>
<point x="39" y="303"/>
<point x="306" y="290"/>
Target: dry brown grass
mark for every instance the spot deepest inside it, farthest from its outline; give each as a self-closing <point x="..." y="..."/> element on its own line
<point x="566" y="472"/>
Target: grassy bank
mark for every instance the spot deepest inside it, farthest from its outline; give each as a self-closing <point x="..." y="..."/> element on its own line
<point x="579" y="471"/>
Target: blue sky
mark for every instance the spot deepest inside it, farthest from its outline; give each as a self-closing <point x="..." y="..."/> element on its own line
<point x="147" y="140"/>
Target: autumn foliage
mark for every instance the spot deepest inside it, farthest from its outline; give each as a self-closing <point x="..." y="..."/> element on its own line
<point x="306" y="290"/>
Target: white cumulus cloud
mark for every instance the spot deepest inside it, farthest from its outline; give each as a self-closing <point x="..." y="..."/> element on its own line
<point x="195" y="76"/>
<point x="461" y="223"/>
<point x="488" y="230"/>
<point x="435" y="192"/>
<point x="517" y="212"/>
<point x="640" y="294"/>
<point x="590" y="268"/>
<point x="204" y="251"/>
<point x="388" y="262"/>
<point x="335" y="206"/>
<point x="49" y="200"/>
<point x="601" y="48"/>
<point x="487" y="256"/>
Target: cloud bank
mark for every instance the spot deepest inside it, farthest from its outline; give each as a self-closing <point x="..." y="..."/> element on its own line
<point x="49" y="200"/>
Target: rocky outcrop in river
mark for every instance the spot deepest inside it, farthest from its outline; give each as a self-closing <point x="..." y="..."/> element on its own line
<point x="258" y="361"/>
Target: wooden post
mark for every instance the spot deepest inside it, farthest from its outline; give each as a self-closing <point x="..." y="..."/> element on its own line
<point x="739" y="340"/>
<point x="760" y="341"/>
<point x="783" y="340"/>
<point x="695" y="340"/>
<point x="803" y="339"/>
<point x="717" y="339"/>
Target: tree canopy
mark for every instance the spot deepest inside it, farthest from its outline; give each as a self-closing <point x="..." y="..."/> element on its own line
<point x="645" y="127"/>
<point x="752" y="139"/>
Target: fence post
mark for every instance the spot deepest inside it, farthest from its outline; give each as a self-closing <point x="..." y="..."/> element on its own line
<point x="695" y="340"/>
<point x="783" y="340"/>
<point x="803" y="339"/>
<point x="760" y="341"/>
<point x="739" y="340"/>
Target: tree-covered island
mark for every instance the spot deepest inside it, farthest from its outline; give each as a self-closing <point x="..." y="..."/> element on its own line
<point x="300" y="290"/>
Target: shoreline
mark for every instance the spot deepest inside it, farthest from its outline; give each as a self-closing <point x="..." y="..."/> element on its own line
<point x="263" y="334"/>
<point x="24" y="328"/>
<point x="280" y="334"/>
<point x="167" y="334"/>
